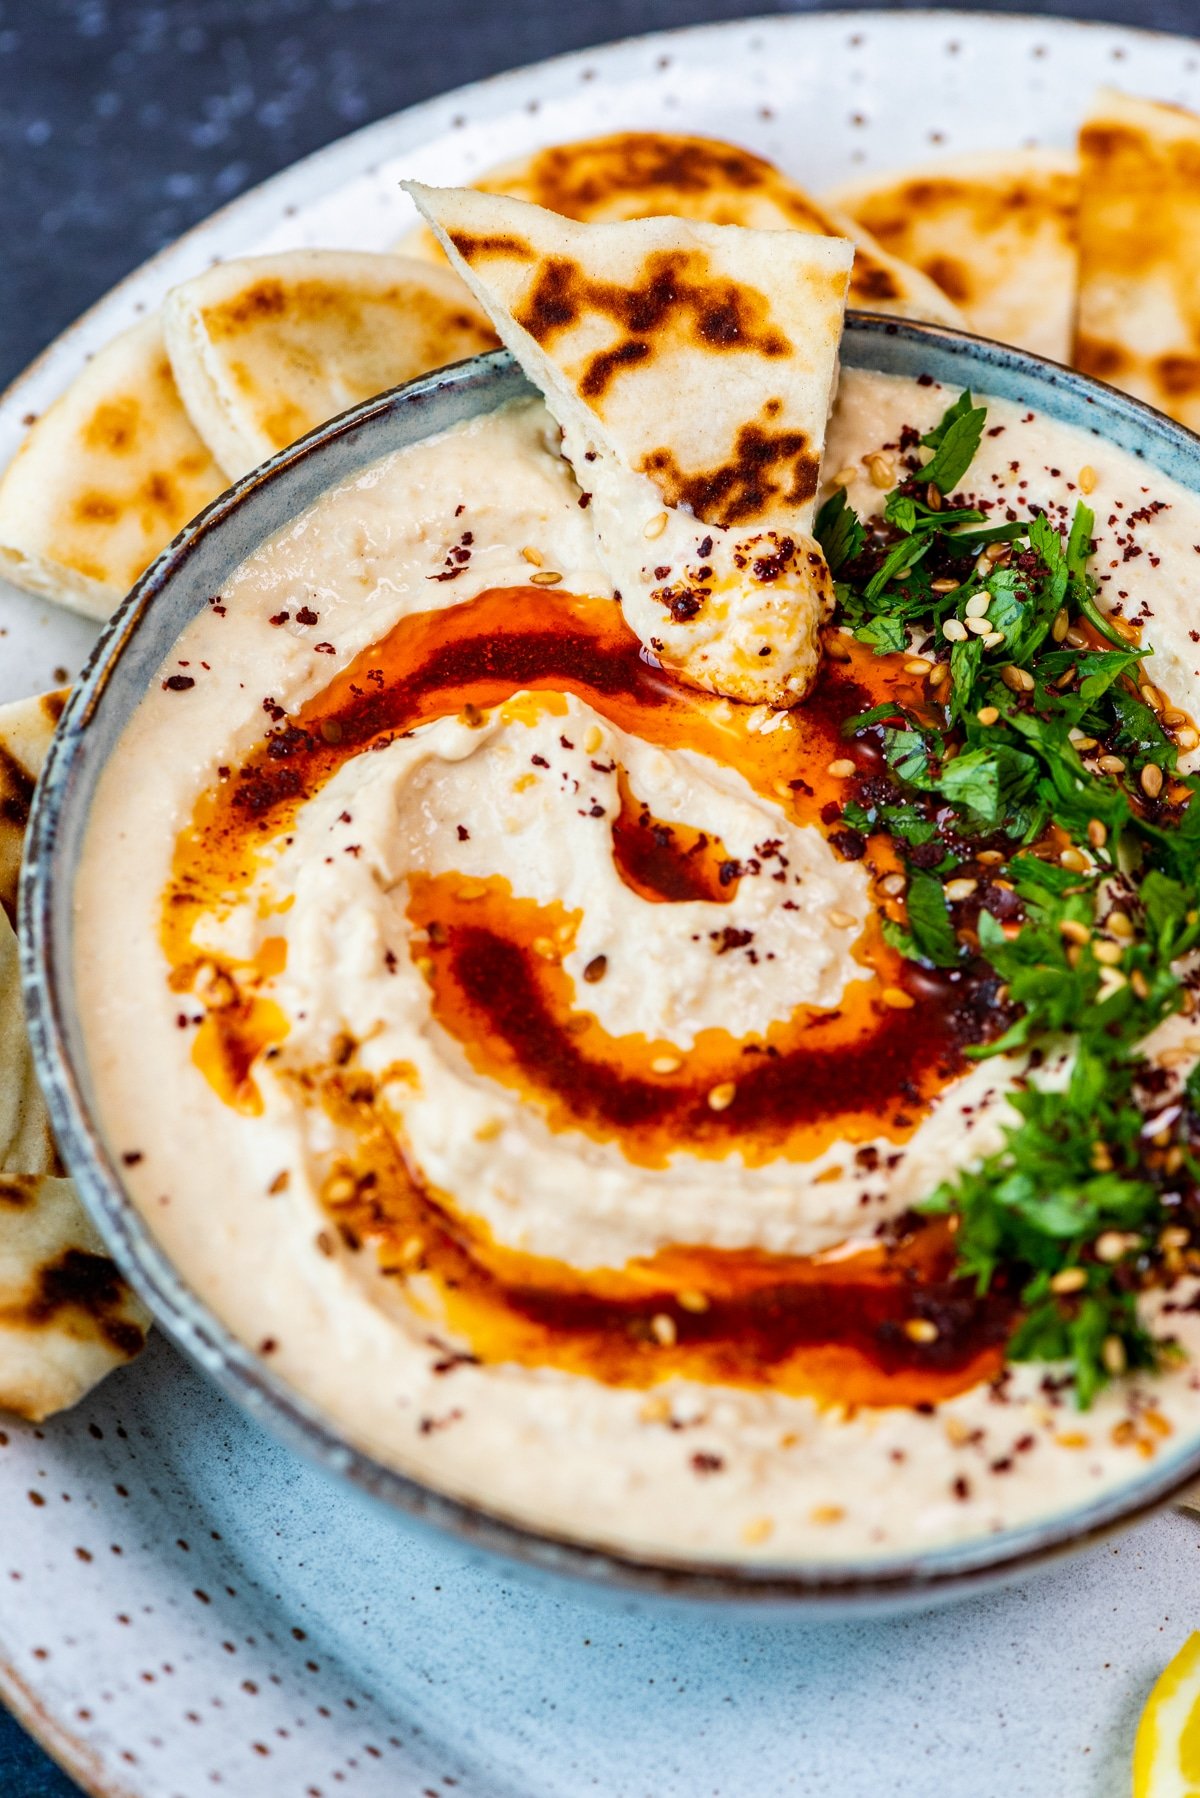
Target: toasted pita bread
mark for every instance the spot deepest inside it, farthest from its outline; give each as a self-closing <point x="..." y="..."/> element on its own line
<point x="1139" y="251"/>
<point x="26" y="727"/>
<point x="691" y="367"/>
<point x="104" y="479"/>
<point x="268" y="348"/>
<point x="26" y="1145"/>
<point x="67" y="1317"/>
<point x="663" y="174"/>
<point x="996" y="232"/>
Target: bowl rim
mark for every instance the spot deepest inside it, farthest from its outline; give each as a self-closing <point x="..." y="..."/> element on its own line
<point x="821" y="1588"/>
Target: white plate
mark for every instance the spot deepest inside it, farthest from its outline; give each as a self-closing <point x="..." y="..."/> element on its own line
<point x="184" y="1608"/>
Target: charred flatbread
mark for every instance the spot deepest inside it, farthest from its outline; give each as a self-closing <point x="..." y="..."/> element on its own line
<point x="691" y="367"/>
<point x="1139" y="251"/>
<point x="26" y="727"/>
<point x="267" y="348"/>
<point x="105" y="478"/>
<point x="996" y="232"/>
<point x="664" y="174"/>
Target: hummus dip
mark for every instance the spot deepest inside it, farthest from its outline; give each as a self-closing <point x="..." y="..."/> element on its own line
<point x="503" y="1040"/>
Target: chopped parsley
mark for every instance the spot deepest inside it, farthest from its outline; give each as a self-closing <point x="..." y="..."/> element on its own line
<point x="1040" y="761"/>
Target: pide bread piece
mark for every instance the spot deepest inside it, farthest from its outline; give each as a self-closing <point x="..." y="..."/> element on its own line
<point x="1139" y="251"/>
<point x="691" y="368"/>
<point x="105" y="478"/>
<point x="996" y="232"/>
<point x="26" y="727"/>
<point x="67" y="1318"/>
<point x="267" y="348"/>
<point x="667" y="174"/>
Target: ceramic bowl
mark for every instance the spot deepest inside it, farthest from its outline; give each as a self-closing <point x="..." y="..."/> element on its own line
<point x="127" y="658"/>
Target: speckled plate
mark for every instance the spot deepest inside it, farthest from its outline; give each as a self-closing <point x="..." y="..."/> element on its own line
<point x="186" y="1607"/>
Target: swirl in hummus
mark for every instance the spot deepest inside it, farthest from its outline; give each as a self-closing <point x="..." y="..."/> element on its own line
<point x="519" y="1046"/>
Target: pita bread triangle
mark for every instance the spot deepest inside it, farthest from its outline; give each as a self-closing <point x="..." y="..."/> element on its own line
<point x="996" y="232"/>
<point x="67" y="1317"/>
<point x="691" y="367"/>
<point x="105" y="478"/>
<point x="653" y="174"/>
<point x="1139" y="251"/>
<point x="267" y="348"/>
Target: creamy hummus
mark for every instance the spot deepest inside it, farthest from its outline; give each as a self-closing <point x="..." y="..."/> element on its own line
<point x="508" y="1050"/>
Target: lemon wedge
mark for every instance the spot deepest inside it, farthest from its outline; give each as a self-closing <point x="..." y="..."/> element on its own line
<point x="1166" y="1753"/>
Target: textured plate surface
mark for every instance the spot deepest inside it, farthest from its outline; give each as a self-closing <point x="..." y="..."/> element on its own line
<point x="417" y="1665"/>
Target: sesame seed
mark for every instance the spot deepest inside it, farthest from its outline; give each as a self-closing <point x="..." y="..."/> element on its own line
<point x="662" y="1328"/>
<point x="1097" y="833"/>
<point x="882" y="471"/>
<point x="954" y="630"/>
<point x="960" y="889"/>
<point x="1111" y="764"/>
<point x="1151" y="696"/>
<point x="918" y="665"/>
<point x="998" y="552"/>
<point x="945" y="583"/>
<point x="1071" y="1279"/>
<point x="1075" y="860"/>
<point x="938" y="674"/>
<point x="845" y="477"/>
<point x="1087" y="478"/>
<point x="990" y="857"/>
<point x="533" y="555"/>
<point x="842" y="768"/>
<point x="1172" y="718"/>
<point x="1019" y="680"/>
<point x="977" y="605"/>
<point x="897" y="999"/>
<point x="546" y="577"/>
<point x="979" y="627"/>
<point x="988" y="714"/>
<point x="654" y="527"/>
<point x="666" y="1064"/>
<point x="920" y="1329"/>
<point x="721" y="1097"/>
<point x="993" y="640"/>
<point x="1151" y="779"/>
<point x="1061" y="625"/>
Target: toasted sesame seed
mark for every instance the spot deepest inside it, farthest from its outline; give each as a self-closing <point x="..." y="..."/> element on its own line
<point x="1019" y="680"/>
<point x="977" y="605"/>
<point x="1097" y="833"/>
<point x="897" y="999"/>
<point x="666" y="1064"/>
<point x="918" y="665"/>
<point x="1151" y="696"/>
<point x="842" y="768"/>
<point x="938" y="674"/>
<point x="1171" y="717"/>
<point x="662" y="1328"/>
<point x="533" y="555"/>
<point x="945" y="583"/>
<point x="979" y="627"/>
<point x="1087" y="478"/>
<point x="693" y="1300"/>
<point x="1111" y="764"/>
<point x="545" y="577"/>
<point x="1107" y="953"/>
<point x="654" y="527"/>
<point x="960" y="889"/>
<point x="993" y="640"/>
<point x="882" y="470"/>
<point x="920" y="1329"/>
<point x="1113" y="1355"/>
<point x="845" y="477"/>
<point x="1151" y="779"/>
<point x="1075" y="860"/>
<point x="1074" y="930"/>
<point x="1061" y="625"/>
<point x="988" y="714"/>
<point x="998" y="552"/>
<point x="1075" y="639"/>
<point x="471" y="889"/>
<point x="1071" y="1279"/>
<point x="721" y="1097"/>
<point x="954" y="630"/>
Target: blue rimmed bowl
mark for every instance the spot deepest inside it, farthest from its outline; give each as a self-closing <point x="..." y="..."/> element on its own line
<point x="128" y="657"/>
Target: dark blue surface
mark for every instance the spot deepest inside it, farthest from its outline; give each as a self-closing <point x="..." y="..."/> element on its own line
<point x="122" y="122"/>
